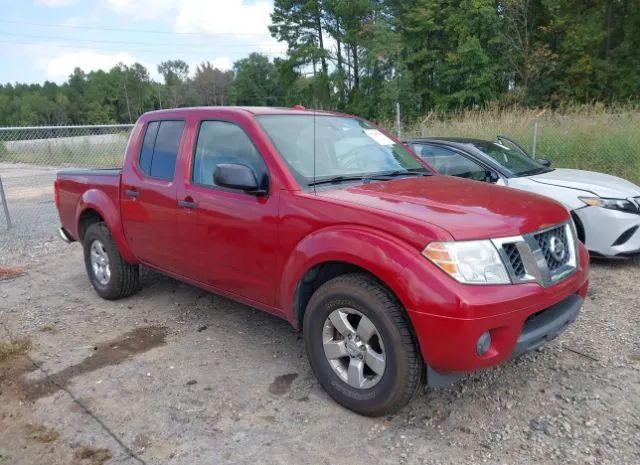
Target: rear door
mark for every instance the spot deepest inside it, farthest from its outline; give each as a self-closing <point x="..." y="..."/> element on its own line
<point x="231" y="234"/>
<point x="149" y="197"/>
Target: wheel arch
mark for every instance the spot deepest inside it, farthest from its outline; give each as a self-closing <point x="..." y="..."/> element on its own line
<point x="87" y="217"/>
<point x="579" y="227"/>
<point x="315" y="277"/>
<point x="95" y="205"/>
<point x="316" y="261"/>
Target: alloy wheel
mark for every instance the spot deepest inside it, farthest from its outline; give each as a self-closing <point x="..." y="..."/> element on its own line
<point x="353" y="347"/>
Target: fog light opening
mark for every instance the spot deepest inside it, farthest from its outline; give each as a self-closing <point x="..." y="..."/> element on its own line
<point x="483" y="344"/>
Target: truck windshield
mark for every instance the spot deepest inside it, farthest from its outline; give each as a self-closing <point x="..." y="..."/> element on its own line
<point x="336" y="148"/>
<point x="513" y="160"/>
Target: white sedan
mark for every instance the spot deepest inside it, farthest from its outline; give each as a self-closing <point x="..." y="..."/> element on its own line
<point x="605" y="208"/>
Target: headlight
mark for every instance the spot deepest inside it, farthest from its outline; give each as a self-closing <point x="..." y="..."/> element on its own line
<point x="612" y="204"/>
<point x="469" y="262"/>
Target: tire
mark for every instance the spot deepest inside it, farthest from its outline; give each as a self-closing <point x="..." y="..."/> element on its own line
<point x="403" y="367"/>
<point x="122" y="278"/>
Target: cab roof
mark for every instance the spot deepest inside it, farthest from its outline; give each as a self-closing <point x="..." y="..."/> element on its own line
<point x="251" y="110"/>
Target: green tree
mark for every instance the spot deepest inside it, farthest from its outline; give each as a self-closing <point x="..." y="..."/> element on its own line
<point x="211" y="85"/>
<point x="175" y="73"/>
<point x="255" y="82"/>
<point x="301" y="24"/>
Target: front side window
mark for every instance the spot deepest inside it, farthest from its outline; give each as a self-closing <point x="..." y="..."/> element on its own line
<point x="450" y="163"/>
<point x="317" y="147"/>
<point x="221" y="142"/>
<point x="160" y="149"/>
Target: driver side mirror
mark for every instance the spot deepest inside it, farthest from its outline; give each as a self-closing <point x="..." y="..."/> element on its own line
<point x="235" y="176"/>
<point x="544" y="162"/>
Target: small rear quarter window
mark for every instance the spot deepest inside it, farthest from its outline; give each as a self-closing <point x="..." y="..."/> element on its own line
<point x="146" y="153"/>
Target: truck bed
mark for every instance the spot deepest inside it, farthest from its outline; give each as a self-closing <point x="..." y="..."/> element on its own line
<point x="75" y="186"/>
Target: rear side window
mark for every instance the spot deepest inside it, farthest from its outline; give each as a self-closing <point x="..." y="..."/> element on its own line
<point x="160" y="149"/>
<point x="221" y="142"/>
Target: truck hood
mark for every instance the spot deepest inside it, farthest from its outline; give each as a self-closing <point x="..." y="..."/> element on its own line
<point x="466" y="209"/>
<point x="602" y="185"/>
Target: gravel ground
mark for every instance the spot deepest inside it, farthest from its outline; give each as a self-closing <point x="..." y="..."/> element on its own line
<point x="174" y="375"/>
<point x="29" y="193"/>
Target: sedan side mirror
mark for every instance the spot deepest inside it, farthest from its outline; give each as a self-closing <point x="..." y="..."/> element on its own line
<point x="235" y="176"/>
<point x="544" y="162"/>
<point x="491" y="176"/>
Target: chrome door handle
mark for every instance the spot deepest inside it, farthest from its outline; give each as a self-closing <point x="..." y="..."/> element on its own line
<point x="131" y="193"/>
<point x="187" y="203"/>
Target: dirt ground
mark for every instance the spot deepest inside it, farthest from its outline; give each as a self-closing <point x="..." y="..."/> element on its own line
<point x="174" y="375"/>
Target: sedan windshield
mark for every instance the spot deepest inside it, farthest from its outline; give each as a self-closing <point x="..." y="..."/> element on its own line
<point x="336" y="148"/>
<point x="515" y="161"/>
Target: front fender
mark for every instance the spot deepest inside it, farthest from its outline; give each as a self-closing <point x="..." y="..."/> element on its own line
<point x="379" y="253"/>
<point x="95" y="199"/>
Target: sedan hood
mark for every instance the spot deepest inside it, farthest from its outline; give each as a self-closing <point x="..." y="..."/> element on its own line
<point x="466" y="209"/>
<point x="602" y="185"/>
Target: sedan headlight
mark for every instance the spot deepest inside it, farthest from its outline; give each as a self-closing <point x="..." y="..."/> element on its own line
<point x="612" y="204"/>
<point x="469" y="262"/>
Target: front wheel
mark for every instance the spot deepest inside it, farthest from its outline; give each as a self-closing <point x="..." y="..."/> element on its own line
<point x="110" y="275"/>
<point x="360" y="345"/>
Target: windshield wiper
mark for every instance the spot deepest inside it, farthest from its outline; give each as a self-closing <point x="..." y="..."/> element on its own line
<point x="397" y="173"/>
<point x="534" y="171"/>
<point x="338" y="179"/>
<point x="371" y="177"/>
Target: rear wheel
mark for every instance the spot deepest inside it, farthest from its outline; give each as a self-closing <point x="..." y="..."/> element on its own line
<point x="110" y="275"/>
<point x="360" y="345"/>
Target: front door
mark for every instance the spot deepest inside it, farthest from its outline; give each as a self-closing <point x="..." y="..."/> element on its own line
<point x="233" y="242"/>
<point x="149" y="197"/>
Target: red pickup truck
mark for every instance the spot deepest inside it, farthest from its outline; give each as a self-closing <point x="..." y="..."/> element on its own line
<point x="392" y="273"/>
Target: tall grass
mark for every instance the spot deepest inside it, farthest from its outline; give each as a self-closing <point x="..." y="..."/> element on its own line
<point x="591" y="138"/>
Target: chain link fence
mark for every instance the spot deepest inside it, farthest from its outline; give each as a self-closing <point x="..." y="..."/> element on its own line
<point x="29" y="160"/>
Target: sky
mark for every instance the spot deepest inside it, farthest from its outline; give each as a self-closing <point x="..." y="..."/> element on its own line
<point x="44" y="40"/>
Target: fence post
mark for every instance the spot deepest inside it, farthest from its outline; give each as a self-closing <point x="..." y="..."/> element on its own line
<point x="398" y="126"/>
<point x="535" y="138"/>
<point x="4" y="205"/>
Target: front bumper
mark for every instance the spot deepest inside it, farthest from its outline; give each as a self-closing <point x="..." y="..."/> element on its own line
<point x="610" y="232"/>
<point x="519" y="318"/>
<point x="547" y="325"/>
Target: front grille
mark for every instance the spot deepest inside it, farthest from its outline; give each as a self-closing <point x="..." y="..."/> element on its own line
<point x="546" y="256"/>
<point x="555" y="247"/>
<point x="513" y="255"/>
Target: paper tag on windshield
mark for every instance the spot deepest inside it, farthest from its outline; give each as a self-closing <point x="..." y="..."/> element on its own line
<point x="378" y="137"/>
